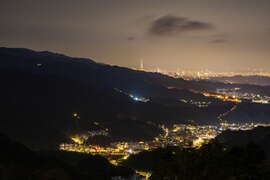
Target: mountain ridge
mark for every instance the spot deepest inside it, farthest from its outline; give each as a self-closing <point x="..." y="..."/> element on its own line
<point x="41" y="92"/>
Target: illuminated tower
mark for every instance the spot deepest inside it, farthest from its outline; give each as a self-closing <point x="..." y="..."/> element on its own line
<point x="177" y="71"/>
<point x="141" y="65"/>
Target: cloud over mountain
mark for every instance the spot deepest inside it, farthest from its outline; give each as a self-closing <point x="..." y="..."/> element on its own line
<point x="171" y="25"/>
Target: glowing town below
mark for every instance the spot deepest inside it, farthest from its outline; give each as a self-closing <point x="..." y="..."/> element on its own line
<point x="184" y="135"/>
<point x="179" y="135"/>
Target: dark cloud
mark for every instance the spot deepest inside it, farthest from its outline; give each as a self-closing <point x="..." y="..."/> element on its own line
<point x="131" y="38"/>
<point x="170" y="25"/>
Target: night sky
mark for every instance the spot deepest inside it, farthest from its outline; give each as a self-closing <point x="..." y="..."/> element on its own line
<point x="220" y="35"/>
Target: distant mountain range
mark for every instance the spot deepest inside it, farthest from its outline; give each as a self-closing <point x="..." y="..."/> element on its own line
<point x="46" y="97"/>
<point x="255" y="80"/>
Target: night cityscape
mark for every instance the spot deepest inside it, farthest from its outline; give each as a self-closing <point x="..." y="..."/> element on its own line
<point x="135" y="90"/>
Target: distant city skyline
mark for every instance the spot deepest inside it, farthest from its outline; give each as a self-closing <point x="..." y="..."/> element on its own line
<point x="221" y="36"/>
<point x="154" y="67"/>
